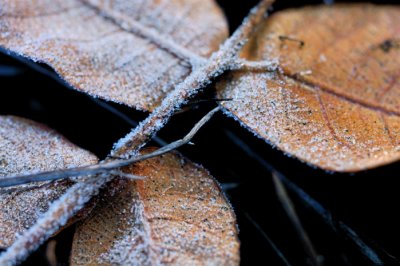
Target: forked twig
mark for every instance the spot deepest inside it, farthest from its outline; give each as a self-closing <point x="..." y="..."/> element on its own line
<point x="105" y="166"/>
<point x="80" y="193"/>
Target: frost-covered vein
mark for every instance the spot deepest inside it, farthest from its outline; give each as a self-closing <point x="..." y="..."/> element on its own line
<point x="374" y="107"/>
<point x="327" y="120"/>
<point x="161" y="40"/>
<point x="41" y="15"/>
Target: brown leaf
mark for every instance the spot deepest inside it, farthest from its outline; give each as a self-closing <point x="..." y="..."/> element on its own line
<point x="176" y="215"/>
<point x="27" y="147"/>
<point x="98" y="46"/>
<point x="334" y="101"/>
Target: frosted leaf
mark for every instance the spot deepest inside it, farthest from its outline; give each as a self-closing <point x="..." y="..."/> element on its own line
<point x="335" y="100"/>
<point x="177" y="215"/>
<point x="28" y="147"/>
<point x="132" y="52"/>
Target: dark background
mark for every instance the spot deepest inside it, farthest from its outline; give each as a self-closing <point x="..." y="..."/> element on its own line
<point x="366" y="202"/>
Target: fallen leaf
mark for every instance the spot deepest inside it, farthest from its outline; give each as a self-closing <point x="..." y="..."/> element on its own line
<point x="334" y="100"/>
<point x="176" y="215"/>
<point x="28" y="147"/>
<point x="103" y="47"/>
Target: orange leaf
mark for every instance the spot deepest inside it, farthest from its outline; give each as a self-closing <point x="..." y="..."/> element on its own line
<point x="176" y="215"/>
<point x="27" y="147"/>
<point x="334" y="100"/>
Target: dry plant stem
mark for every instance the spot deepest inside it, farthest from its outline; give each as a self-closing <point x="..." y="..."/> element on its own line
<point x="79" y="194"/>
<point x="290" y="211"/>
<point x="106" y="166"/>
<point x="311" y="203"/>
<point x="218" y="63"/>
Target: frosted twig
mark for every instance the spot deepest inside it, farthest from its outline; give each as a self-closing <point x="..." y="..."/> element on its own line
<point x="80" y="193"/>
<point x="264" y="66"/>
<point x="105" y="166"/>
<point x="291" y="213"/>
<point x="74" y="199"/>
<point x="218" y="63"/>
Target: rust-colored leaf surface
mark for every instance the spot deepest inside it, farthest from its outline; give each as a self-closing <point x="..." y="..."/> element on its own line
<point x="98" y="46"/>
<point x="28" y="147"/>
<point x="334" y="100"/>
<point x="177" y="215"/>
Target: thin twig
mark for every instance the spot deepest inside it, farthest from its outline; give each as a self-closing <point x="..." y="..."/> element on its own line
<point x="294" y="218"/>
<point x="311" y="203"/>
<point x="76" y="196"/>
<point x="270" y="242"/>
<point x="74" y="199"/>
<point x="218" y="63"/>
<point x="125" y="118"/>
<point x="105" y="166"/>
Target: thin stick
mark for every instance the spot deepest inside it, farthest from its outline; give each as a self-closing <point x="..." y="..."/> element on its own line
<point x="76" y="196"/>
<point x="269" y="240"/>
<point x="218" y="63"/>
<point x="294" y="218"/>
<point x="311" y="203"/>
<point x="105" y="166"/>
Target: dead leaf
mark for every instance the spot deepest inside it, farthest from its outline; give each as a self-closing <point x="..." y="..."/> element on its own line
<point x="98" y="48"/>
<point x="28" y="147"/>
<point x="177" y="215"/>
<point x="334" y="101"/>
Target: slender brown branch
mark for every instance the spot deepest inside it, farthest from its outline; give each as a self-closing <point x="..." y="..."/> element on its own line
<point x="291" y="213"/>
<point x="105" y="166"/>
<point x="80" y="193"/>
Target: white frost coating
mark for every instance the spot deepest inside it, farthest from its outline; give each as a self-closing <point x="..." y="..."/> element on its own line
<point x="306" y="122"/>
<point x="57" y="216"/>
<point x="177" y="216"/>
<point x="28" y="147"/>
<point x="80" y="193"/>
<point x="92" y="38"/>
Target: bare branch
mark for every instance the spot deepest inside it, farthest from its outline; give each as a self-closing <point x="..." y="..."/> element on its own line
<point x="218" y="63"/>
<point x="75" y="198"/>
<point x="104" y="166"/>
<point x="80" y="193"/>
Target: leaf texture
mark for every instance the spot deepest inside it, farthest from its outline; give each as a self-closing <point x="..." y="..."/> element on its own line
<point x="132" y="52"/>
<point x="28" y="147"/>
<point x="176" y="215"/>
<point x="334" y="100"/>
